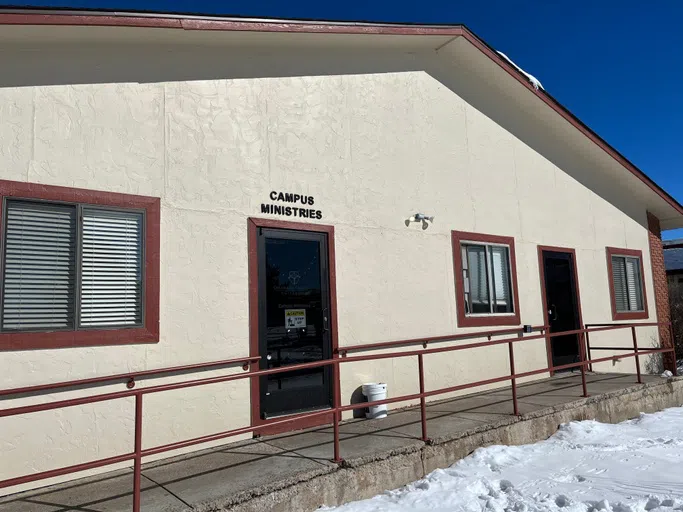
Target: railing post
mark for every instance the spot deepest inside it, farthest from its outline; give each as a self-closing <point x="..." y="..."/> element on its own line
<point x="588" y="350"/>
<point x="548" y="342"/>
<point x="336" y="400"/>
<point x="137" y="464"/>
<point x="673" y="349"/>
<point x="635" y="348"/>
<point x="515" y="407"/>
<point x="423" y="405"/>
<point x="582" y="356"/>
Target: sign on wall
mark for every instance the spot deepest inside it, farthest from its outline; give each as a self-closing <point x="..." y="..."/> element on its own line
<point x="291" y="205"/>
<point x="295" y="318"/>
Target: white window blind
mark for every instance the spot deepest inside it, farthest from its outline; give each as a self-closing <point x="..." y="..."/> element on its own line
<point x="478" y="281"/>
<point x="46" y="287"/>
<point x="500" y="263"/>
<point x="111" y="268"/>
<point x="39" y="270"/>
<point x="619" y="282"/>
<point x="627" y="283"/>
<point x="486" y="275"/>
<point x="635" y="289"/>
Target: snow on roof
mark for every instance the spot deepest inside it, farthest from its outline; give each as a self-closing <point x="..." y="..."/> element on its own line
<point x="535" y="81"/>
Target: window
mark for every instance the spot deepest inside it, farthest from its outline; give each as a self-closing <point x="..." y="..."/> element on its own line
<point x="71" y="267"/>
<point x="625" y="267"/>
<point x="486" y="276"/>
<point x="78" y="267"/>
<point x="485" y="280"/>
<point x="628" y="291"/>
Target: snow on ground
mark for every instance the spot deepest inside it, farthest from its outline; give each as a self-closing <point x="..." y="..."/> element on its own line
<point x="586" y="466"/>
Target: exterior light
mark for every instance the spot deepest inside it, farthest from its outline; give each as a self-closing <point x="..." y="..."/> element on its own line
<point x="420" y="217"/>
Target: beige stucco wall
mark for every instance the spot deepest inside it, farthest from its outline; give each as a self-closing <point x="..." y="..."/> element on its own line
<point x="372" y="148"/>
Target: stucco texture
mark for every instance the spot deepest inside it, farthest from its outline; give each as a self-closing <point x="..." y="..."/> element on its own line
<point x="373" y="148"/>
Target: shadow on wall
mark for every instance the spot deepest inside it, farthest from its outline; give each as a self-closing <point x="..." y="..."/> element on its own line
<point x="480" y="82"/>
<point x="125" y="63"/>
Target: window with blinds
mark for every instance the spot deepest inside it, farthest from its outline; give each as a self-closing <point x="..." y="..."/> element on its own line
<point x="71" y="267"/>
<point x="111" y="268"/>
<point x="627" y="283"/>
<point x="39" y="267"/>
<point x="486" y="277"/>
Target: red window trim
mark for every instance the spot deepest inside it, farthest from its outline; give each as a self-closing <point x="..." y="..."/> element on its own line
<point x="483" y="320"/>
<point x="88" y="338"/>
<point x="636" y="315"/>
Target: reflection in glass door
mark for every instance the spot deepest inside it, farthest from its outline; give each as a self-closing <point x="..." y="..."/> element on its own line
<point x="293" y="320"/>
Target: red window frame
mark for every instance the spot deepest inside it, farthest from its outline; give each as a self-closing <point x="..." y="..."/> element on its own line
<point x="631" y="315"/>
<point x="484" y="320"/>
<point x="149" y="333"/>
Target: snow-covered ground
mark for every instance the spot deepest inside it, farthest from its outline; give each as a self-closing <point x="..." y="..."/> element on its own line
<point x="586" y="466"/>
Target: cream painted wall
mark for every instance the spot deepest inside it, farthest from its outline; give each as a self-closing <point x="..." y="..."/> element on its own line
<point x="372" y="148"/>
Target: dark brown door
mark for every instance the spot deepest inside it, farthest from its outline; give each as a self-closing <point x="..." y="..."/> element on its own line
<point x="294" y="304"/>
<point x="561" y="305"/>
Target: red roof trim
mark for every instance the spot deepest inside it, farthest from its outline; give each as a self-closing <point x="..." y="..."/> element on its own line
<point x="266" y="26"/>
<point x="197" y="23"/>
<point x="188" y="23"/>
<point x="95" y="21"/>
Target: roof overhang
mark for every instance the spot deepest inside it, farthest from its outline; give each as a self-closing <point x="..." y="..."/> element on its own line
<point x="25" y="25"/>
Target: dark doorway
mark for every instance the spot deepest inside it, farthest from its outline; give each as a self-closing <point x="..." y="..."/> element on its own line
<point x="562" y="304"/>
<point x="294" y="302"/>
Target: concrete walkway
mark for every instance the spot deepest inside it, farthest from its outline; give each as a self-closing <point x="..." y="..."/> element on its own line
<point x="234" y="473"/>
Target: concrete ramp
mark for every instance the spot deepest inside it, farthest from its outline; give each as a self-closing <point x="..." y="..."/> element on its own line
<point x="293" y="471"/>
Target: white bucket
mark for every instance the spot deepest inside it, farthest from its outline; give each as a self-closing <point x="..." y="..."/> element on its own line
<point x="374" y="392"/>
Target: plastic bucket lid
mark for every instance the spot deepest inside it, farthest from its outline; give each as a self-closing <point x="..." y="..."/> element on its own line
<point x="374" y="388"/>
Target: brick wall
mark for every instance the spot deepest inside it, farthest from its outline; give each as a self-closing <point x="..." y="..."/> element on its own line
<point x="661" y="286"/>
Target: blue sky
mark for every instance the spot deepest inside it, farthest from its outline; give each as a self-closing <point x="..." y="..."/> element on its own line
<point x="617" y="65"/>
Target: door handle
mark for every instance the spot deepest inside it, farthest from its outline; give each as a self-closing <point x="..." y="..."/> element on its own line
<point x="326" y="326"/>
<point x="552" y="312"/>
<point x="269" y="357"/>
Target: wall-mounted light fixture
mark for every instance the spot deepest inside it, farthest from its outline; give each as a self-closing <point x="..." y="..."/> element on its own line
<point x="420" y="217"/>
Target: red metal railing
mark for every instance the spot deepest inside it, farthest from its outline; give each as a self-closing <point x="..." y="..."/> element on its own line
<point x="130" y="377"/>
<point x="138" y="452"/>
<point x="634" y="347"/>
<point x="434" y="339"/>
